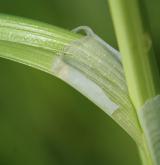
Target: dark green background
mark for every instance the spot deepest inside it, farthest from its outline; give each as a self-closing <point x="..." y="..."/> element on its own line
<point x="44" y="121"/>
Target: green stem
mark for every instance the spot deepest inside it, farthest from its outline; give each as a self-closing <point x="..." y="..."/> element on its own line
<point x="138" y="58"/>
<point x="145" y="154"/>
<point x="135" y="45"/>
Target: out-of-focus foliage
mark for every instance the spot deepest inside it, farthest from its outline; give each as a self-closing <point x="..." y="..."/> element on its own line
<point x="44" y="121"/>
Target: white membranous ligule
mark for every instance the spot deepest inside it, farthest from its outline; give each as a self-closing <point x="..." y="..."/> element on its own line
<point x="94" y="68"/>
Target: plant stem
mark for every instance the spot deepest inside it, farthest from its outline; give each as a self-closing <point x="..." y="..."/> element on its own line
<point x="135" y="46"/>
<point x="137" y="56"/>
<point x="144" y="152"/>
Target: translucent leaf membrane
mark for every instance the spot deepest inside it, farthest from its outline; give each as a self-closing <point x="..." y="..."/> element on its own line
<point x="149" y="116"/>
<point x="100" y="64"/>
<point x="87" y="63"/>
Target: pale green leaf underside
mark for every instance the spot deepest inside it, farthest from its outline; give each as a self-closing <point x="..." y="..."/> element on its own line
<point x="85" y="63"/>
<point x="149" y="116"/>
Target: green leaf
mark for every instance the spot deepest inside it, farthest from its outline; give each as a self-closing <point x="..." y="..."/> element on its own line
<point x="85" y="62"/>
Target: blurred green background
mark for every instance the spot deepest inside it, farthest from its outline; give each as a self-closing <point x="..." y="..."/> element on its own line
<point x="44" y="121"/>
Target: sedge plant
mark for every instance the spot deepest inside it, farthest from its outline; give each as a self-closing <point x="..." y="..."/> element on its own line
<point x="125" y="85"/>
